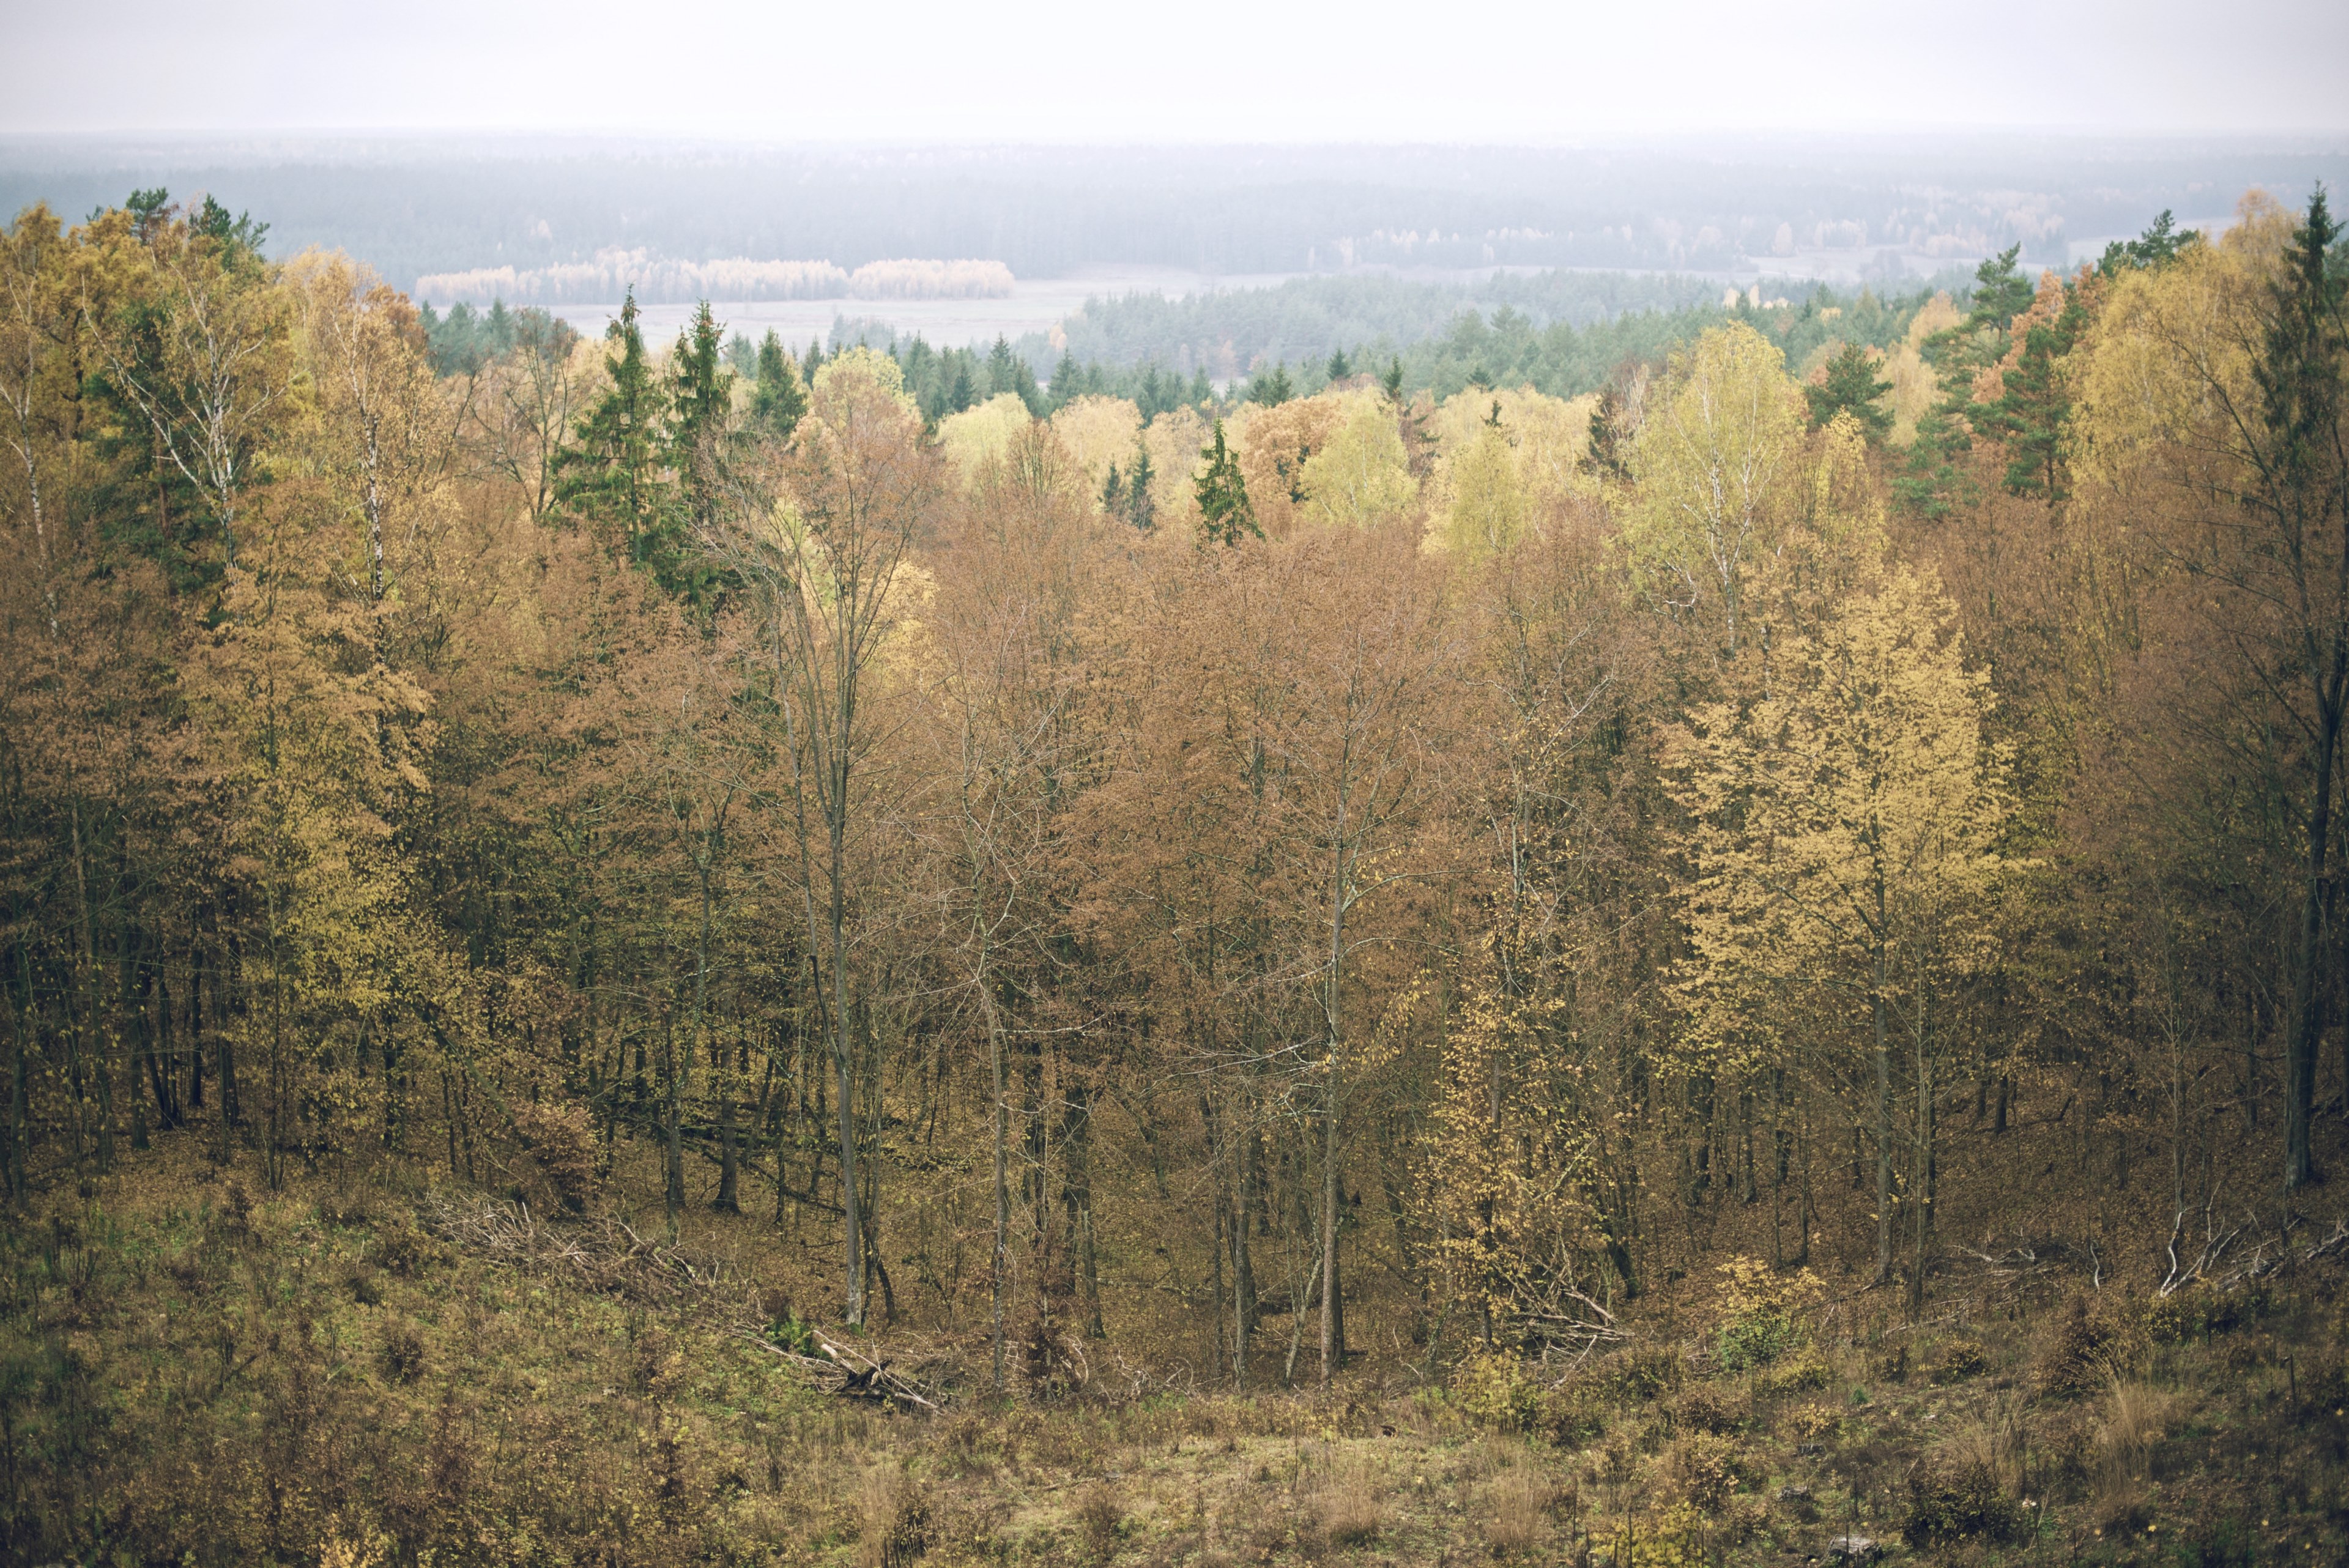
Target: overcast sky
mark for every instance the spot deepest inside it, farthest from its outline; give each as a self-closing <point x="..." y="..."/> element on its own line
<point x="1214" y="71"/>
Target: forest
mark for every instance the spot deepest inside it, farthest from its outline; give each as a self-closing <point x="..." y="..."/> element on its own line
<point x="1673" y="941"/>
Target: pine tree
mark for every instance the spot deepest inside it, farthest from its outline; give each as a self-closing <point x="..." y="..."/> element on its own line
<point x="2033" y="412"/>
<point x="1933" y="482"/>
<point x="2157" y="247"/>
<point x="1224" y="511"/>
<point x="1851" y="384"/>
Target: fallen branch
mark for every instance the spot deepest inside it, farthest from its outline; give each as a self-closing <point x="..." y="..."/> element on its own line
<point x="604" y="1255"/>
<point x="844" y="1371"/>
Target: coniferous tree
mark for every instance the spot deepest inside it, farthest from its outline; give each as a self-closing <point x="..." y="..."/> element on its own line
<point x="780" y="396"/>
<point x="611" y="476"/>
<point x="1224" y="511"/>
<point x="2157" y="246"/>
<point x="2302" y="495"/>
<point x="1933" y="484"/>
<point x="2033" y="411"/>
<point x="1139" y="510"/>
<point x="1391" y="383"/>
<point x="701" y="403"/>
<point x="1340" y="366"/>
<point x="1851" y="384"/>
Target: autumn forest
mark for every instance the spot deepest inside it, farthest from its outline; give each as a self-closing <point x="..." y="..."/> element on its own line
<point x="730" y="950"/>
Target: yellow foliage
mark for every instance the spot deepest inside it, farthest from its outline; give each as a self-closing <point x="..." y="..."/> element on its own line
<point x="1176" y="441"/>
<point x="980" y="433"/>
<point x="1846" y="821"/>
<point x="1273" y="445"/>
<point x="1098" y="432"/>
<point x="1546" y="440"/>
<point x="1359" y="478"/>
<point x="2167" y="366"/>
<point x="1708" y="462"/>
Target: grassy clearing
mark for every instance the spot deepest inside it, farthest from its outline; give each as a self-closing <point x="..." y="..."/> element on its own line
<point x="198" y="1372"/>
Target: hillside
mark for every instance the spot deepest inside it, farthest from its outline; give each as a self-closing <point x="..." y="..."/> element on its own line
<point x="1671" y="940"/>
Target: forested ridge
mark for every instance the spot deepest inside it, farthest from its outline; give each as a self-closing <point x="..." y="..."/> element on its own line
<point x="575" y="908"/>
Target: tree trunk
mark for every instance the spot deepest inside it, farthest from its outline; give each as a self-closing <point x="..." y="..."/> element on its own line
<point x="2307" y="995"/>
<point x="1001" y="1119"/>
<point x="1883" y="1130"/>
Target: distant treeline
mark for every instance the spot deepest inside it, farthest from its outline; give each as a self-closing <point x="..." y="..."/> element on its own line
<point x="1561" y="331"/>
<point x="414" y="209"/>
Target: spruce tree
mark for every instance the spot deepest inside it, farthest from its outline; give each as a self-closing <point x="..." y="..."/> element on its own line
<point x="701" y="399"/>
<point x="1139" y="510"/>
<point x="1339" y="368"/>
<point x="1224" y="511"/>
<point x="1067" y="380"/>
<point x="1393" y="382"/>
<point x="611" y="477"/>
<point x="780" y="397"/>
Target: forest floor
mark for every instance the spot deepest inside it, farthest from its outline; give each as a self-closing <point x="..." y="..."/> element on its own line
<point x="378" y="1372"/>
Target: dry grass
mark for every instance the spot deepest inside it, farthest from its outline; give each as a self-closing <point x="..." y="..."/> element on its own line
<point x="1516" y="1509"/>
<point x="2137" y="1416"/>
<point x="1351" y="1504"/>
<point x="896" y="1520"/>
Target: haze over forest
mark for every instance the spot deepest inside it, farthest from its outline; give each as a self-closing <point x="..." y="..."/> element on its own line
<point x="792" y="813"/>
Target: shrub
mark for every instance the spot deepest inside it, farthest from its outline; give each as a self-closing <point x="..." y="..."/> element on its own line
<point x="1493" y="1387"/>
<point x="896" y="1522"/>
<point x="1959" y="1360"/>
<point x="1703" y="1409"/>
<point x="2080" y="1354"/>
<point x="1099" y="1518"/>
<point x="1759" y="1322"/>
<point x="401" y="1248"/>
<point x="1800" y="1369"/>
<point x="1640" y="1374"/>
<point x="1947" y="1505"/>
<point x="401" y="1358"/>
<point x="1705" y="1467"/>
<point x="562" y="1141"/>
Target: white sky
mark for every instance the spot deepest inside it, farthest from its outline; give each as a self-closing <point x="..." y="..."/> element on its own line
<point x="1207" y="71"/>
